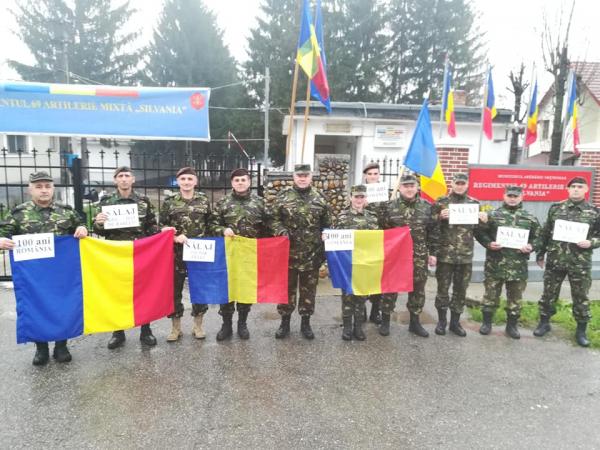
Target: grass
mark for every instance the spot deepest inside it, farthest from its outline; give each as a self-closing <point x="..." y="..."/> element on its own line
<point x="563" y="318"/>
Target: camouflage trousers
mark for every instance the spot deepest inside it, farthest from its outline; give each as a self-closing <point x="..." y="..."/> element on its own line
<point x="354" y="305"/>
<point x="388" y="303"/>
<point x="374" y="299"/>
<point x="514" y="294"/>
<point x="416" y="298"/>
<point x="179" y="282"/>
<point x="457" y="275"/>
<point x="302" y="284"/>
<point x="580" y="280"/>
<point x="227" y="309"/>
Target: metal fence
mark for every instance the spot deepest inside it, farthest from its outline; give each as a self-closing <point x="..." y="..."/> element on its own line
<point x="389" y="168"/>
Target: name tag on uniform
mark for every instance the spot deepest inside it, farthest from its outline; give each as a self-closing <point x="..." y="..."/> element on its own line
<point x="567" y="231"/>
<point x="377" y="192"/>
<point x="33" y="246"/>
<point x="338" y="240"/>
<point x="199" y="250"/>
<point x="463" y="214"/>
<point x="121" y="216"/>
<point x="509" y="237"/>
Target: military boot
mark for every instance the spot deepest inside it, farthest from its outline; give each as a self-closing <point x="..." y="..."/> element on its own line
<point x="455" y="326"/>
<point x="580" y="335"/>
<point x="61" y="353"/>
<point x="375" y="315"/>
<point x="146" y="336"/>
<point x="359" y="334"/>
<point x="305" y="328"/>
<point x="486" y="324"/>
<point x="512" y="329"/>
<point x="226" y="330"/>
<point x="415" y="326"/>
<point x="42" y="354"/>
<point x="347" y="330"/>
<point x="284" y="327"/>
<point x="117" y="340"/>
<point x="440" y="328"/>
<point x="242" y="330"/>
<point x="543" y="327"/>
<point x="198" y="330"/>
<point x="175" y="330"/>
<point x="384" y="328"/>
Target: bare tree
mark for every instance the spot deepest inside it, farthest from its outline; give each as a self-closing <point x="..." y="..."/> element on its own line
<point x="518" y="88"/>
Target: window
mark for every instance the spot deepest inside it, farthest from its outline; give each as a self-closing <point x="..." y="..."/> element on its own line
<point x="545" y="126"/>
<point x="15" y="142"/>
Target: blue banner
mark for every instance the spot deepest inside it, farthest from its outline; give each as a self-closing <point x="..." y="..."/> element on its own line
<point x="104" y="111"/>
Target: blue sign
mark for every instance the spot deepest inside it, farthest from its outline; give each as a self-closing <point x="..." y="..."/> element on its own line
<point x="104" y="111"/>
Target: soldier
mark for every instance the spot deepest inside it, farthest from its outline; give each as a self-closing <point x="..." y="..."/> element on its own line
<point x="505" y="265"/>
<point x="125" y="195"/>
<point x="455" y="257"/>
<point x="239" y="213"/>
<point x="412" y="211"/>
<point x="188" y="212"/>
<point x="42" y="215"/>
<point x="301" y="213"/>
<point x="372" y="175"/>
<point x="568" y="259"/>
<point x="356" y="217"/>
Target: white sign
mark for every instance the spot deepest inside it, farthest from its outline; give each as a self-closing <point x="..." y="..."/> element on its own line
<point x="199" y="250"/>
<point x="567" y="231"/>
<point x="377" y="192"/>
<point x="121" y="216"/>
<point x="509" y="237"/>
<point x="33" y="246"/>
<point x="339" y="240"/>
<point x="389" y="136"/>
<point x="463" y="214"/>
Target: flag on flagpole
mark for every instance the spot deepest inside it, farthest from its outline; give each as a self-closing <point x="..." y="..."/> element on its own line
<point x="572" y="111"/>
<point x="489" y="109"/>
<point x="532" y="118"/>
<point x="307" y="54"/>
<point x="319" y="87"/>
<point x="448" y="103"/>
<point x="422" y="157"/>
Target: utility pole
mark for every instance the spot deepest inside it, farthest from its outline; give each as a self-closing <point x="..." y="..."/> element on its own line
<point x="266" y="149"/>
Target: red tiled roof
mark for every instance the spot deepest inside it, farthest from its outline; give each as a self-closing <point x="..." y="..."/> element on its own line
<point x="589" y="73"/>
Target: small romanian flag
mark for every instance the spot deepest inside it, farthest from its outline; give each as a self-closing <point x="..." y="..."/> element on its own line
<point x="448" y="104"/>
<point x="377" y="262"/>
<point x="489" y="108"/>
<point x="243" y="270"/>
<point x="93" y="286"/>
<point x="532" y="117"/>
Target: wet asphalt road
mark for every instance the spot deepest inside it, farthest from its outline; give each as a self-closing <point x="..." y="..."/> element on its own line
<point x="395" y="392"/>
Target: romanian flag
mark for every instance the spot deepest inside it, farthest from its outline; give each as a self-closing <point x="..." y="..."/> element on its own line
<point x="243" y="270"/>
<point x="319" y="87"/>
<point x="377" y="262"/>
<point x="93" y="286"/>
<point x="422" y="157"/>
<point x="532" y="117"/>
<point x="489" y="108"/>
<point x="448" y="104"/>
<point x="572" y="113"/>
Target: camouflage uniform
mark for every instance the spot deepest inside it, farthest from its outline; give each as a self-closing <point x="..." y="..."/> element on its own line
<point x="191" y="217"/>
<point x="506" y="266"/>
<point x="302" y="214"/>
<point x="29" y="218"/>
<point x="147" y="227"/>
<point x="379" y="209"/>
<point x="247" y="217"/>
<point x="425" y="233"/>
<point x="566" y="259"/>
<point x="455" y="257"/>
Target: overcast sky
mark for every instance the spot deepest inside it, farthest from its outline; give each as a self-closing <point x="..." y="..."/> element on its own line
<point x="512" y="30"/>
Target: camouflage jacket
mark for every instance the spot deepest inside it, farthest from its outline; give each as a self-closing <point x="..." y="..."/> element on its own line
<point x="507" y="263"/>
<point x="302" y="214"/>
<point x="191" y="217"/>
<point x="456" y="241"/>
<point x="29" y="218"/>
<point x="564" y="254"/>
<point x="148" y="224"/>
<point x="244" y="214"/>
<point x="416" y="214"/>
<point x="351" y="219"/>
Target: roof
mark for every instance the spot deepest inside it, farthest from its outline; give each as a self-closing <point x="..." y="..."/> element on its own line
<point x="588" y="73"/>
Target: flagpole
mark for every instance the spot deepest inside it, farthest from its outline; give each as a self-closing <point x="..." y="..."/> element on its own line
<point x="565" y="113"/>
<point x="485" y="93"/>
<point x="444" y="93"/>
<point x="531" y="85"/>
<point x="290" y="125"/>
<point x="306" y="111"/>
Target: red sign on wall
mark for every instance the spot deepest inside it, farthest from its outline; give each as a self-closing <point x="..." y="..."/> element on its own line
<point x="538" y="185"/>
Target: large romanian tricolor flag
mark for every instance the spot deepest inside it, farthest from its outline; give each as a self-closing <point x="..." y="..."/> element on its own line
<point x="319" y="87"/>
<point x="448" y="103"/>
<point x="489" y="107"/>
<point x="572" y="111"/>
<point x="243" y="270"/>
<point x="93" y="286"/>
<point x="422" y="158"/>
<point x="377" y="262"/>
<point x="532" y="118"/>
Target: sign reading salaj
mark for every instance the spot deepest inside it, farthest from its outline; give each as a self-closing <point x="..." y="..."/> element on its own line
<point x="104" y="111"/>
<point x="539" y="184"/>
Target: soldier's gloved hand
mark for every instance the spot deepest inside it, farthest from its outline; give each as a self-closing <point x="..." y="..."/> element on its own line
<point x="100" y="218"/>
<point x="80" y="232"/>
<point x="495" y="246"/>
<point x="6" y="244"/>
<point x="584" y="244"/>
<point x="228" y="232"/>
<point x="181" y="239"/>
<point x="526" y="248"/>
